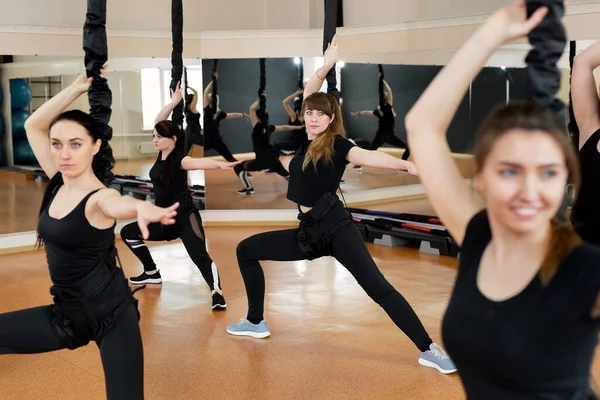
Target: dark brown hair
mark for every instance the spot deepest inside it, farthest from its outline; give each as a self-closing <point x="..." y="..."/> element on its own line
<point x="529" y="116"/>
<point x="322" y="146"/>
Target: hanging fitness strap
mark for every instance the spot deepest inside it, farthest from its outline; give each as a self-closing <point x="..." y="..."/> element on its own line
<point x="99" y="94"/>
<point x="548" y="40"/>
<point x="176" y="56"/>
<point x="572" y="126"/>
<point x="262" y="108"/>
<point x="332" y="21"/>
<point x="215" y="91"/>
<point x="381" y="96"/>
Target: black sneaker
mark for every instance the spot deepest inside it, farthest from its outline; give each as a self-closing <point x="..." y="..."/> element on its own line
<point x="145" y="278"/>
<point x="246" y="191"/>
<point x="218" y="301"/>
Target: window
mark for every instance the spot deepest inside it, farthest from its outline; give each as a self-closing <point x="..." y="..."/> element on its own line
<point x="156" y="93"/>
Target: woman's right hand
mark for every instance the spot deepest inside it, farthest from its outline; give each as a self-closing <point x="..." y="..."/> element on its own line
<point x="177" y="95"/>
<point x="511" y="22"/>
<point x="148" y="213"/>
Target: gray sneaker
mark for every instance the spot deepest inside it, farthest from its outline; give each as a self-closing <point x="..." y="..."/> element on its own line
<point x="437" y="358"/>
<point x="247" y="328"/>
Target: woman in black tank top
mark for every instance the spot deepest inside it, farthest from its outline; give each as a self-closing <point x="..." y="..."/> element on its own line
<point x="386" y="117"/>
<point x="193" y="129"/>
<point x="522" y="321"/>
<point x="326" y="227"/>
<point x="586" y="112"/>
<point x="170" y="184"/>
<point x="92" y="300"/>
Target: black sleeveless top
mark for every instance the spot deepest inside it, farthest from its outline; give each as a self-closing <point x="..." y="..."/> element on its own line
<point x="586" y="210"/>
<point x="212" y="121"/>
<point x="538" y="344"/>
<point x="73" y="246"/>
<point x="177" y="189"/>
<point x="387" y="117"/>
<point x="261" y="138"/>
<point x="308" y="185"/>
<point x="298" y="135"/>
<point x="193" y="120"/>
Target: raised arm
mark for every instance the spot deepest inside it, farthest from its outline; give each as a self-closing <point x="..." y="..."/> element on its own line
<point x="586" y="105"/>
<point x="428" y="120"/>
<point x="329" y="59"/>
<point x="390" y="96"/>
<point x="194" y="102"/>
<point x="207" y="92"/>
<point x="37" y="125"/>
<point x="176" y="98"/>
<point x="252" y="113"/>
<point x="286" y="104"/>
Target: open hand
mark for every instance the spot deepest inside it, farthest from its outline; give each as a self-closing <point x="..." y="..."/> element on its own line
<point x="83" y="83"/>
<point x="511" y="21"/>
<point x="331" y="53"/>
<point x="229" y="165"/>
<point x="177" y="95"/>
<point x="411" y="168"/>
<point x="148" y="213"/>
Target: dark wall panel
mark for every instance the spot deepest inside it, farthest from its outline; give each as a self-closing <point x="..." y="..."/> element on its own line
<point x="238" y="89"/>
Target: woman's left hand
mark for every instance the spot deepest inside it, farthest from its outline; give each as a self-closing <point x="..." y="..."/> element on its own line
<point x="229" y="165"/>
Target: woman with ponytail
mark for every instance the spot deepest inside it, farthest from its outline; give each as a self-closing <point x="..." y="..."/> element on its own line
<point x="326" y="227"/>
<point x="92" y="301"/>
<point x="386" y="118"/>
<point x="170" y="184"/>
<point x="522" y="320"/>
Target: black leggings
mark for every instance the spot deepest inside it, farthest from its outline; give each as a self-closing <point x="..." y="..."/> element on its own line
<point x="191" y="232"/>
<point x="349" y="248"/>
<point x="382" y="136"/>
<point x="31" y="331"/>
<point x="216" y="142"/>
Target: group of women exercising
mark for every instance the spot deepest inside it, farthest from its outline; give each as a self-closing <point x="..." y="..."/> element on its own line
<point x="523" y="318"/>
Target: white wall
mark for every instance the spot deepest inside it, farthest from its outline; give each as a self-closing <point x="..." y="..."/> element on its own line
<point x="136" y="15"/>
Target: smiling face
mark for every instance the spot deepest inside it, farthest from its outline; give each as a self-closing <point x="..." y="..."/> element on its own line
<point x="523" y="180"/>
<point x="73" y="148"/>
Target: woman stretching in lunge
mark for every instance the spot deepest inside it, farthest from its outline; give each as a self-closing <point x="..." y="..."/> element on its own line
<point x="326" y="227"/>
<point x="170" y="181"/>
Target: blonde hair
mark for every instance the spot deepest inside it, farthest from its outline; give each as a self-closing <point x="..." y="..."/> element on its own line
<point x="322" y="147"/>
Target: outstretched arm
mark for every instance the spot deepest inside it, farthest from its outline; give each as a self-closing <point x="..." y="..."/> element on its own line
<point x="428" y="120"/>
<point x="176" y="98"/>
<point x="115" y="206"/>
<point x="379" y="159"/>
<point x="286" y="128"/>
<point x="236" y="115"/>
<point x="361" y="113"/>
<point x="329" y="60"/>
<point x="37" y="125"/>
<point x="190" y="164"/>
<point x="586" y="104"/>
